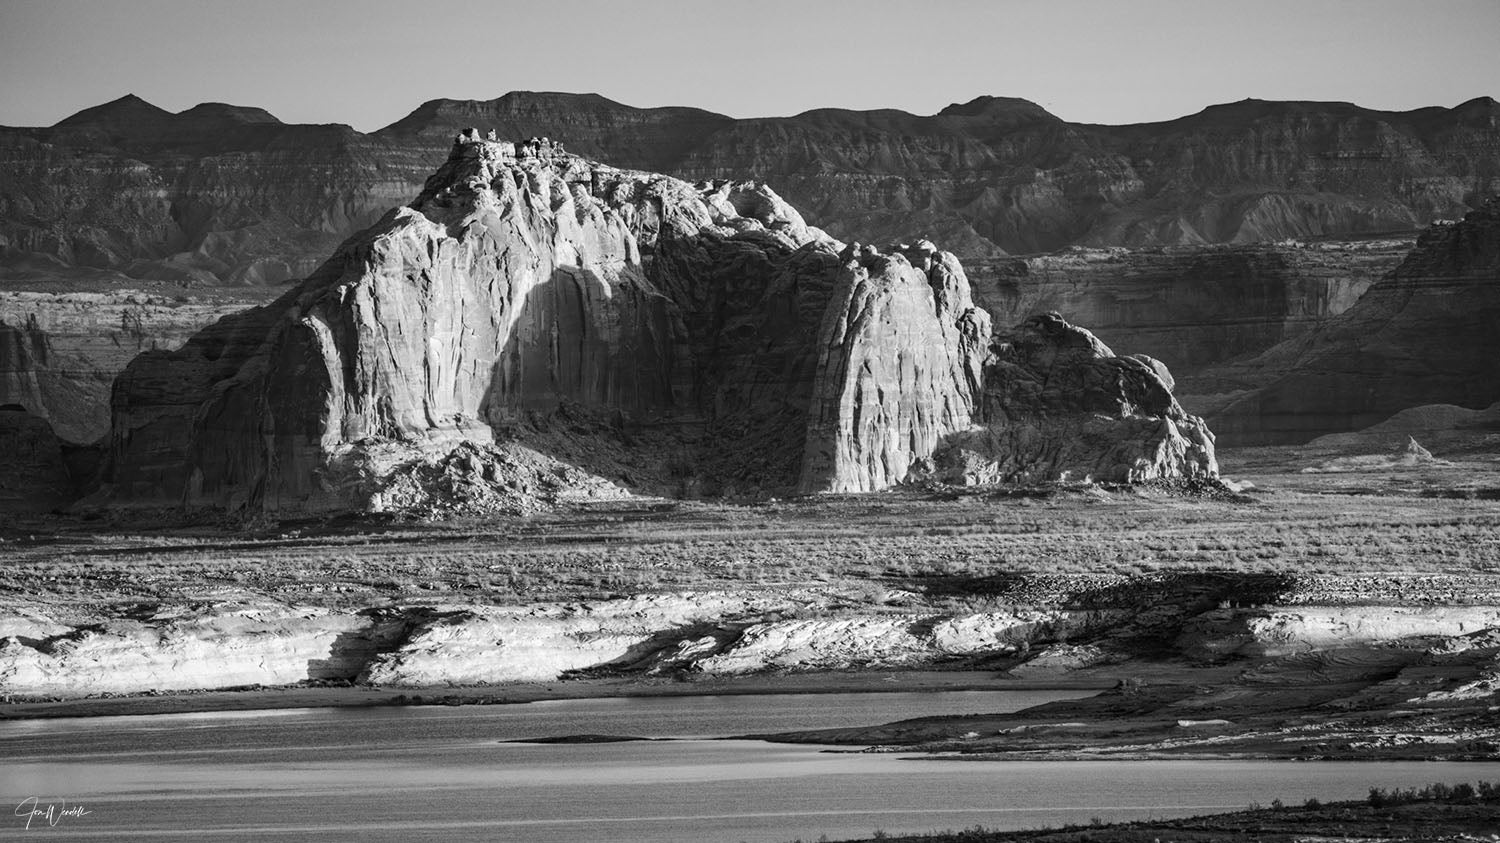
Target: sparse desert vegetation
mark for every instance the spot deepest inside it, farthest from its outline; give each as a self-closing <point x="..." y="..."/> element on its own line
<point x="951" y="542"/>
<point x="1435" y="812"/>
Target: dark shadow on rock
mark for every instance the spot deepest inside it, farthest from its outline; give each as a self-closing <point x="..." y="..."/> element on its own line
<point x="693" y="383"/>
<point x="593" y="375"/>
<point x="353" y="651"/>
<point x="655" y="653"/>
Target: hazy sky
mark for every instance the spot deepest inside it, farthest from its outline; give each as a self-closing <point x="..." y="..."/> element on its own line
<point x="1099" y="61"/>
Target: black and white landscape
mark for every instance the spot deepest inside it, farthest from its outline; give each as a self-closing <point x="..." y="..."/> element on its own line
<point x="542" y="467"/>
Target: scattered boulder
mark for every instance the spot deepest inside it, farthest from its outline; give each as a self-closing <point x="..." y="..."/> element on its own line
<point x="1410" y="455"/>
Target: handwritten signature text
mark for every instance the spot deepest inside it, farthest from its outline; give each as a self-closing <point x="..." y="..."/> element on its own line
<point x="31" y="809"/>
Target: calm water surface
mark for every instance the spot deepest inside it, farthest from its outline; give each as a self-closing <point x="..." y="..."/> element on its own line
<point x="438" y="773"/>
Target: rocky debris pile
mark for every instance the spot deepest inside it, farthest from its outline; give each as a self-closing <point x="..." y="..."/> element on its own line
<point x="473" y="480"/>
<point x="527" y="294"/>
<point x="1415" y="454"/>
<point x="1065" y="658"/>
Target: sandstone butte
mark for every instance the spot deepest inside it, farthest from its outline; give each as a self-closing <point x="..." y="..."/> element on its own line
<point x="536" y="325"/>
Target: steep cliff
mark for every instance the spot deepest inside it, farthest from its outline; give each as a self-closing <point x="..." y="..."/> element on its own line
<point x="1424" y="335"/>
<point x="60" y="351"/>
<point x="899" y="363"/>
<point x="1188" y="306"/>
<point x="538" y="321"/>
<point x="34" y="471"/>
<point x="230" y="193"/>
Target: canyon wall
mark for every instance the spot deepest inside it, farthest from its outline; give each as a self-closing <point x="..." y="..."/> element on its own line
<point x="36" y="473"/>
<point x="1188" y="306"/>
<point x="60" y="351"/>
<point x="229" y="193"/>
<point x="1424" y="335"/>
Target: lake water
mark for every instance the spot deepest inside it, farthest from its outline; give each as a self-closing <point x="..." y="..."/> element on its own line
<point x="440" y="774"/>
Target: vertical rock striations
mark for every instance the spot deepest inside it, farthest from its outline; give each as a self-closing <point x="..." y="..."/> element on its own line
<point x="1426" y="334"/>
<point x="1189" y="306"/>
<point x="533" y="316"/>
<point x="514" y="286"/>
<point x="899" y="358"/>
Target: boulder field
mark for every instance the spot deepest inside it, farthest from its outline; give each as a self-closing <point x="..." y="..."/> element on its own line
<point x="535" y="316"/>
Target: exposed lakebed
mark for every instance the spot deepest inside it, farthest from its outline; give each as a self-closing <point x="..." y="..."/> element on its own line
<point x="431" y="773"/>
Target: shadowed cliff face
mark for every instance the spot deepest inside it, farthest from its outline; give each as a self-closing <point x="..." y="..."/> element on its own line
<point x="534" y="319"/>
<point x="230" y="193"/>
<point x="59" y="351"/>
<point x="1424" y="335"/>
<point x="34" y="474"/>
<point x="1188" y="306"/>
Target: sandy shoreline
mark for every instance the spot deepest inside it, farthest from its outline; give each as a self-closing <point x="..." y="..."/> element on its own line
<point x="514" y="693"/>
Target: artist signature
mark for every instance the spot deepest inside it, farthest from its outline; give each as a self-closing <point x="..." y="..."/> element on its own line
<point x="52" y="813"/>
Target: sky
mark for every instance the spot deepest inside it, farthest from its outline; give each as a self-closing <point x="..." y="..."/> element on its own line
<point x="1095" y="61"/>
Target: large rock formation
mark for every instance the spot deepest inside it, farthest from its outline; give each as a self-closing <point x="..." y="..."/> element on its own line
<point x="534" y="313"/>
<point x="228" y="193"/>
<point x="1056" y="402"/>
<point x="1424" y="335"/>
<point x="893" y="381"/>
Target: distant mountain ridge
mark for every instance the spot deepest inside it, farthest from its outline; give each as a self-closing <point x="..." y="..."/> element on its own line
<point x="231" y="193"/>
